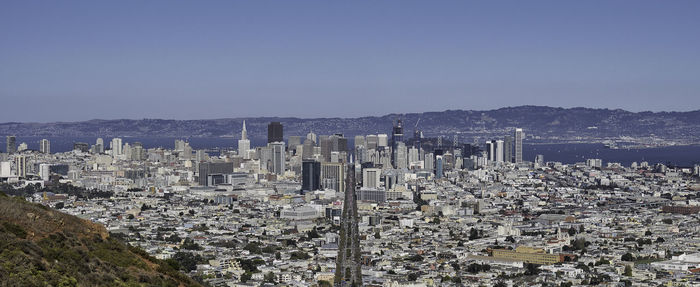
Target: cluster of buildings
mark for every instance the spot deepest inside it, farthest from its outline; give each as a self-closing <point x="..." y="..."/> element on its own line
<point x="429" y="212"/>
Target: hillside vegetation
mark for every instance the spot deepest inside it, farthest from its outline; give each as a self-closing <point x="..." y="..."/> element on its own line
<point x="43" y="247"/>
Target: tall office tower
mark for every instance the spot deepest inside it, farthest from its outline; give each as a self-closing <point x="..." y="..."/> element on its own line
<point x="360" y="141"/>
<point x="371" y="177"/>
<point x="396" y="138"/>
<point x="348" y="271"/>
<point x="137" y="152"/>
<point x="519" y="135"/>
<point x="339" y="143"/>
<point x="312" y="136"/>
<point x="361" y="154"/>
<point x="333" y="176"/>
<point x="293" y="142"/>
<point x="429" y="162"/>
<point x="278" y="157"/>
<point x="100" y="145"/>
<point x="490" y="151"/>
<point x="264" y="156"/>
<point x="413" y="155"/>
<point x="400" y="156"/>
<point x="116" y="146"/>
<point x="508" y="149"/>
<point x="275" y="132"/>
<point x="308" y="151"/>
<point x="438" y="166"/>
<point x="244" y="143"/>
<point x="21" y="166"/>
<point x="45" y="171"/>
<point x="372" y="141"/>
<point x="310" y="175"/>
<point x="11" y="144"/>
<point x="45" y="146"/>
<point x="382" y="140"/>
<point x="499" y="151"/>
<point x="326" y="144"/>
<point x="126" y="150"/>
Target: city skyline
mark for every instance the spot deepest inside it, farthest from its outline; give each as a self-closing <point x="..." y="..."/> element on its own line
<point x="178" y="60"/>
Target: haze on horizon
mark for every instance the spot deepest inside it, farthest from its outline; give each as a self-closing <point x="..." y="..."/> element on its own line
<point x="81" y="60"/>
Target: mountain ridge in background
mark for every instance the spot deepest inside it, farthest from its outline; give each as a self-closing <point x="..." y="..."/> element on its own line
<point x="546" y="123"/>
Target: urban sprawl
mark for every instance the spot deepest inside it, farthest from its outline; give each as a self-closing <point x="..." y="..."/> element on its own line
<point x="389" y="210"/>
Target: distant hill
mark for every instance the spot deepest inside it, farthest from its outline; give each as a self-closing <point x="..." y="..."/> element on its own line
<point x="43" y="247"/>
<point x="546" y="123"/>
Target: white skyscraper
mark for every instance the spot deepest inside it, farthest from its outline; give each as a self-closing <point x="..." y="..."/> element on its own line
<point x="519" y="135"/>
<point x="499" y="150"/>
<point x="45" y="171"/>
<point x="429" y="161"/>
<point x="116" y="146"/>
<point x="244" y="144"/>
<point x="45" y="146"/>
<point x="382" y="140"/>
<point x="413" y="155"/>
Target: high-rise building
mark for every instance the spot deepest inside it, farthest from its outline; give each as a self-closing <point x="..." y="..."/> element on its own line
<point x="333" y="176"/>
<point x="396" y="138"/>
<point x="116" y="146"/>
<point x="278" y="157"/>
<point x="275" y="132"/>
<point x="490" y="151"/>
<point x="382" y="140"/>
<point x="519" y="135"/>
<point x="308" y="150"/>
<point x="499" y="151"/>
<point x="11" y="144"/>
<point x="310" y="175"/>
<point x="100" y="145"/>
<point x="371" y="177"/>
<point x="429" y="161"/>
<point x="508" y="149"/>
<point x="293" y="142"/>
<point x="21" y="166"/>
<point x="360" y="141"/>
<point x="45" y="171"/>
<point x="438" y="166"/>
<point x="372" y="141"/>
<point x="400" y="154"/>
<point x="45" y="146"/>
<point x="348" y="271"/>
<point x="244" y="143"/>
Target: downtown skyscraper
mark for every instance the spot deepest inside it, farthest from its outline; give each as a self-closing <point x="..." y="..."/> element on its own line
<point x="275" y="132"/>
<point x="518" y="145"/>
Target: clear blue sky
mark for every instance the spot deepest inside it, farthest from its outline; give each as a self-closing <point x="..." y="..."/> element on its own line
<point x="79" y="60"/>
